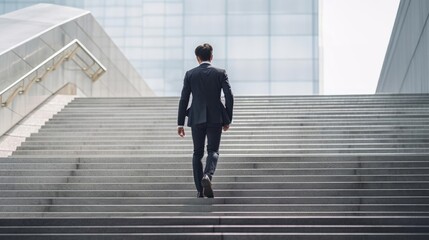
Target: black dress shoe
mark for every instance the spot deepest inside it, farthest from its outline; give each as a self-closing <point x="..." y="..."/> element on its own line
<point x="207" y="186"/>
<point x="200" y="195"/>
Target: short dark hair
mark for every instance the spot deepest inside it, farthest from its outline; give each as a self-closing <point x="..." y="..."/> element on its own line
<point x="204" y="52"/>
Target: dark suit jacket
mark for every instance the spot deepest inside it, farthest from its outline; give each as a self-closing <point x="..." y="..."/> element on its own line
<point x="205" y="83"/>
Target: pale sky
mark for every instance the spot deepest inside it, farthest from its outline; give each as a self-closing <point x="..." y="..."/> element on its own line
<point x="355" y="36"/>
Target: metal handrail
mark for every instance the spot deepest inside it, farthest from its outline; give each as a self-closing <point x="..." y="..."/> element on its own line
<point x="20" y="90"/>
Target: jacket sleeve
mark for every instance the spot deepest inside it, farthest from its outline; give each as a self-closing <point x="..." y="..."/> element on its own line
<point x="183" y="102"/>
<point x="229" y="98"/>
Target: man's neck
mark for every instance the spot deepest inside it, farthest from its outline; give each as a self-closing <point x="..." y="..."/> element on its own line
<point x="207" y="62"/>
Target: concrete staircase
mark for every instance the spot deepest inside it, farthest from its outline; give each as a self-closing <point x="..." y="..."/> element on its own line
<point x="296" y="167"/>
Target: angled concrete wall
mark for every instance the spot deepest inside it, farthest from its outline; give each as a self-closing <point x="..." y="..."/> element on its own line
<point x="406" y="65"/>
<point x="31" y="35"/>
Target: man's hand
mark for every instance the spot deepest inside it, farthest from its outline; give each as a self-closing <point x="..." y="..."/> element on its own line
<point x="181" y="131"/>
<point x="225" y="128"/>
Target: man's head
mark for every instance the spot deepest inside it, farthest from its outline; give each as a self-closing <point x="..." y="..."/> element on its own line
<point x="204" y="52"/>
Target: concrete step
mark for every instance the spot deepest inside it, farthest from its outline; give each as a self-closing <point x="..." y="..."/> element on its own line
<point x="219" y="220"/>
<point x="153" y="164"/>
<point x="322" y="225"/>
<point x="221" y="236"/>
<point x="219" y="179"/>
<point x="245" y="180"/>
<point x="255" y="118"/>
<point x="155" y="170"/>
<point x="262" y="111"/>
<point x="105" y="156"/>
<point x="240" y="106"/>
<point x="242" y="121"/>
<point x="119" y="125"/>
<point x="219" y="200"/>
<point x="218" y="186"/>
<point x="218" y="213"/>
<point x="268" y="147"/>
<point x="262" y="99"/>
<point x="291" y="167"/>
<point x="238" y="136"/>
<point x="243" y="102"/>
<point x="205" y="229"/>
<point x="256" y="114"/>
<point x="186" y="193"/>
<point x="226" y="152"/>
<point x="232" y="138"/>
<point x="212" y="236"/>
<point x="245" y="123"/>
<point x="256" y="102"/>
<point x="269" y="99"/>
<point x="380" y="115"/>
<point x="333" y="158"/>
<point x="161" y="130"/>
<point x="213" y="208"/>
<point x="251" y="108"/>
<point x="225" y="142"/>
<point x="172" y="134"/>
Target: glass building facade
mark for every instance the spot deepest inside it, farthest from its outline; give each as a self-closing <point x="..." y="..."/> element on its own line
<point x="268" y="47"/>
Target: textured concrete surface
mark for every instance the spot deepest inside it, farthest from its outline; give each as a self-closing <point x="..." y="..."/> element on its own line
<point x="31" y="124"/>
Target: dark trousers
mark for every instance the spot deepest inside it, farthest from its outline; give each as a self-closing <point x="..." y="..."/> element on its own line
<point x="199" y="133"/>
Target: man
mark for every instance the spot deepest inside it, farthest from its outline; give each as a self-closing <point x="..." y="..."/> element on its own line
<point x="206" y="116"/>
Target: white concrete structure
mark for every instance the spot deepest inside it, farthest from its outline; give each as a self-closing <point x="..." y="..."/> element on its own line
<point x="45" y="48"/>
<point x="406" y="66"/>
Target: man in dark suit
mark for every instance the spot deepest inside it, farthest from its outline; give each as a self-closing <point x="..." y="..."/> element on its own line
<point x="206" y="116"/>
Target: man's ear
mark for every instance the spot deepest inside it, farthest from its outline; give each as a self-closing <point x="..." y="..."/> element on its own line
<point x="211" y="58"/>
<point x="198" y="59"/>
